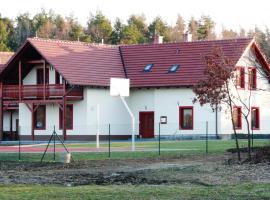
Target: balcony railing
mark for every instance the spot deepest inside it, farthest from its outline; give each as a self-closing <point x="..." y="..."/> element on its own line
<point x="51" y="91"/>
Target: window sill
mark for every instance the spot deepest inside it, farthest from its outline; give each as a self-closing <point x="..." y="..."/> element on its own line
<point x="239" y="88"/>
<point x="255" y="129"/>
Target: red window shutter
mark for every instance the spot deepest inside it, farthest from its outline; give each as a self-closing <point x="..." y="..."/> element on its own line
<point x="239" y="117"/>
<point x="69" y="117"/>
<point x="242" y="73"/>
<point x="254" y="79"/>
<point x="258" y="118"/>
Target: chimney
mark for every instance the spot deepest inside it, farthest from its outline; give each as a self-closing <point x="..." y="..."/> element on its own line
<point x="187" y="37"/>
<point x="158" y="39"/>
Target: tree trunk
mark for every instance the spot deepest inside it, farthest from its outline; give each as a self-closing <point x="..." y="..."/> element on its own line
<point x="235" y="136"/>
<point x="216" y="110"/>
<point x="234" y="130"/>
<point x="249" y="138"/>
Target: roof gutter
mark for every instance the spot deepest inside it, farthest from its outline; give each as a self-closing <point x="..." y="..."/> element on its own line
<point x="123" y="62"/>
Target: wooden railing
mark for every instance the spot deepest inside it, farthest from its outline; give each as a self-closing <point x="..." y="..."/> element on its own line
<point x="51" y="91"/>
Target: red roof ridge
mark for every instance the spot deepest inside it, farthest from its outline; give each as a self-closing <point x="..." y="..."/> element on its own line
<point x="72" y="42"/>
<point x="263" y="54"/>
<point x="190" y="42"/>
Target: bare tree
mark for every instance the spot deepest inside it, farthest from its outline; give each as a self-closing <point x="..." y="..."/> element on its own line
<point x="215" y="89"/>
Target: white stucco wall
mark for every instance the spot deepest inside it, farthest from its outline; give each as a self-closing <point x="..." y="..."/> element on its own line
<point x="112" y="111"/>
<point x="166" y="102"/>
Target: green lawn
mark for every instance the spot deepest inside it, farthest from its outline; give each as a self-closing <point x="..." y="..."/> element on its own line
<point x="214" y="145"/>
<point x="240" y="191"/>
<point x="168" y="148"/>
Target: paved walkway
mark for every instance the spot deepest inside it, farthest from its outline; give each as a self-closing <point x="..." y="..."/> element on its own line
<point x="41" y="149"/>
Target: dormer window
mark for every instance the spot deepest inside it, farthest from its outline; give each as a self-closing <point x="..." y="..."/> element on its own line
<point x="174" y="68"/>
<point x="148" y="67"/>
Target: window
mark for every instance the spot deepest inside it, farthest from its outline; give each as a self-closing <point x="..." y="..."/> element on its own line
<point x="148" y="68"/>
<point x="173" y="68"/>
<point x="186" y="117"/>
<point x="69" y="117"/>
<point x="40" y="76"/>
<point x="240" y="77"/>
<point x="57" y="78"/>
<point x="252" y="78"/>
<point x="40" y="117"/>
<point x="255" y="118"/>
<point x="237" y="117"/>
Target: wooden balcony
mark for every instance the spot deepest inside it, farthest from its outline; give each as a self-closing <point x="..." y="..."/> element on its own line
<point x="40" y="92"/>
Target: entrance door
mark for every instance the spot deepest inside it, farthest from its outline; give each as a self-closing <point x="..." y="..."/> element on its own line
<point x="146" y="124"/>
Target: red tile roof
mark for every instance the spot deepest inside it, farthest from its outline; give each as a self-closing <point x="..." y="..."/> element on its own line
<point x="82" y="63"/>
<point x="189" y="55"/>
<point x="5" y="56"/>
<point x="94" y="65"/>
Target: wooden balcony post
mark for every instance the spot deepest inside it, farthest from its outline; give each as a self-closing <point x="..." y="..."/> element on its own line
<point x="33" y="123"/>
<point x="11" y="124"/>
<point x="1" y="112"/>
<point x="20" y="80"/>
<point x="44" y="79"/>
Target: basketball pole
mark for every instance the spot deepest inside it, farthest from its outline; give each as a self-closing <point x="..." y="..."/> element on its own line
<point x="132" y="121"/>
<point x="98" y="126"/>
<point x="120" y="87"/>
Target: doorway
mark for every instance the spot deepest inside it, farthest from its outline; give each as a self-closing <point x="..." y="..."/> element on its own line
<point x="146" y="124"/>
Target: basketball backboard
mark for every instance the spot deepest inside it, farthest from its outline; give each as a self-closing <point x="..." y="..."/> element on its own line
<point x="119" y="87"/>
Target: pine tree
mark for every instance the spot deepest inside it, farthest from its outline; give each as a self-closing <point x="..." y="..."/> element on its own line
<point x="99" y="27"/>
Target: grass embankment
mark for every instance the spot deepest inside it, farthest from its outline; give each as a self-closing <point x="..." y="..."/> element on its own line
<point x="240" y="191"/>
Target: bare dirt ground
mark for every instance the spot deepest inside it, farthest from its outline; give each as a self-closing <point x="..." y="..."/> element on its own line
<point x="196" y="170"/>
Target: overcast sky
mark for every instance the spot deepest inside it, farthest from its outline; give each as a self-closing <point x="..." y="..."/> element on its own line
<point x="230" y="13"/>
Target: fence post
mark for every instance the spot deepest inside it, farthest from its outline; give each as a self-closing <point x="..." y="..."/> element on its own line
<point x="206" y="138"/>
<point x="159" y="138"/>
<point x="54" y="143"/>
<point x="252" y="138"/>
<point x="109" y="140"/>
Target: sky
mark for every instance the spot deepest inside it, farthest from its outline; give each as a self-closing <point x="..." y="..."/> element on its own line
<point x="233" y="14"/>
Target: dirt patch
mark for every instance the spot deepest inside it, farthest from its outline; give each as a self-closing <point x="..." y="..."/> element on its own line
<point x="189" y="170"/>
<point x="258" y="155"/>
